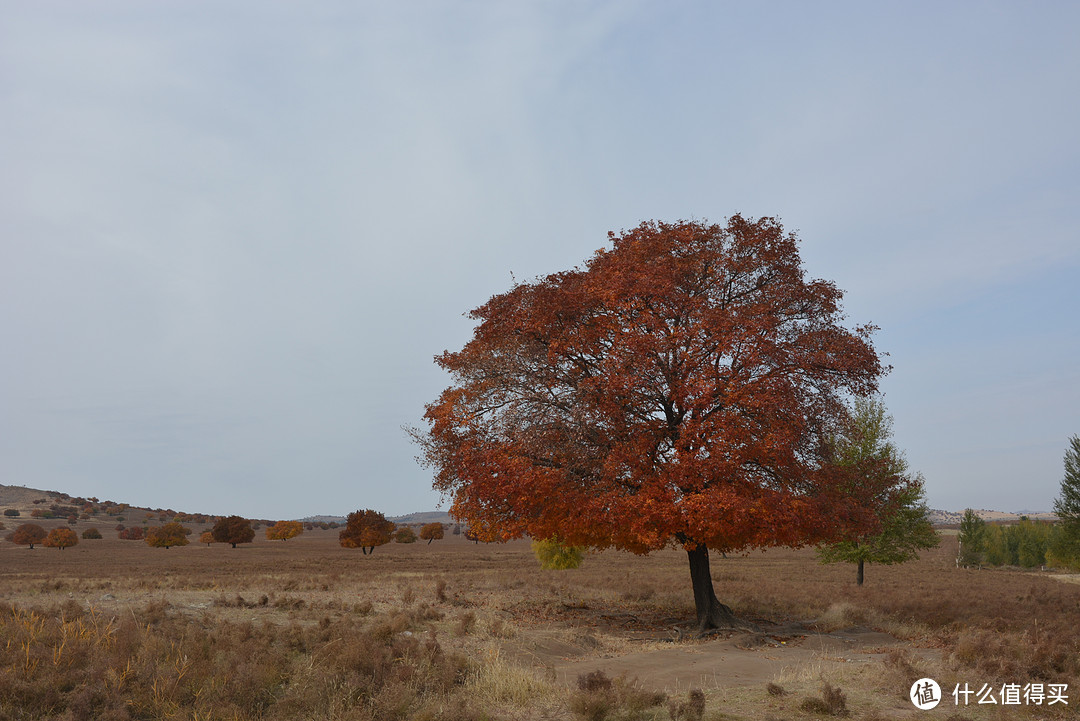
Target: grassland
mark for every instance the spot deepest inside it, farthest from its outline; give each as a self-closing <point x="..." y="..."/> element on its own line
<point x="305" y="629"/>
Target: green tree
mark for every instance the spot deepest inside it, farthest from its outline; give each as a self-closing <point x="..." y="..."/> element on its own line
<point x="556" y="556"/>
<point x="1066" y="540"/>
<point x="878" y="475"/>
<point x="972" y="539"/>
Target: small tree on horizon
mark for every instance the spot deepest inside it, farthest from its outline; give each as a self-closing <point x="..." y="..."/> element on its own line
<point x="431" y="532"/>
<point x="365" y="530"/>
<point x="233" y="530"/>
<point x="28" y="534"/>
<point x="61" y="538"/>
<point x="879" y="477"/>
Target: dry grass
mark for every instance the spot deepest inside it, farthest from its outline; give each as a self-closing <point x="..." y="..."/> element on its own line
<point x="117" y="630"/>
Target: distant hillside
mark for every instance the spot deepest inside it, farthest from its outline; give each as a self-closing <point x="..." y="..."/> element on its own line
<point x="953" y="518"/>
<point x="59" y="504"/>
<point x="424" y="517"/>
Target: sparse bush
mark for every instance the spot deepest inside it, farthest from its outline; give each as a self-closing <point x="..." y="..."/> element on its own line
<point x="135" y="533"/>
<point x="404" y="535"/>
<point x="11" y="512"/>
<point x="833" y="702"/>
<point x="598" y="697"/>
<point x="91" y="533"/>
<point x="693" y="709"/>
<point x="774" y="689"/>
<point x="466" y="623"/>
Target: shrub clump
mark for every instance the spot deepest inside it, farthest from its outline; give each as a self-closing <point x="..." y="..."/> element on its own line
<point x="599" y="697"/>
<point x="833" y="702"/>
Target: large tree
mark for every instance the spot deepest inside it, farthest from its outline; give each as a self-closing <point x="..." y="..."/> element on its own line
<point x="877" y="474"/>
<point x="680" y="388"/>
<point x="365" y="530"/>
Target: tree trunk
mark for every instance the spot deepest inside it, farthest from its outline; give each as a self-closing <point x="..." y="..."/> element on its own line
<point x="859" y="576"/>
<point x="711" y="614"/>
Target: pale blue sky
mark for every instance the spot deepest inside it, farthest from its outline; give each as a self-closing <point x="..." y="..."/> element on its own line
<point x="234" y="234"/>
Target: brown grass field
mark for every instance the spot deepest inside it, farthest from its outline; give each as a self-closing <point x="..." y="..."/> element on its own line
<point x="305" y="629"/>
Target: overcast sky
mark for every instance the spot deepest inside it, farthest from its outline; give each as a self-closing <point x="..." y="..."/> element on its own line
<point x="234" y="234"/>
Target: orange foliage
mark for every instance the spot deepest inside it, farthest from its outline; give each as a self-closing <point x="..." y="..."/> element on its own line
<point x="284" y="530"/>
<point x="61" y="538"/>
<point x="27" y="535"/>
<point x="680" y="388"/>
<point x="431" y="532"/>
<point x="168" y="535"/>
<point x="365" y="530"/>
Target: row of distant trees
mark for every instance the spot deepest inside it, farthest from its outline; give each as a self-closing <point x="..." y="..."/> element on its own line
<point x="1029" y="543"/>
<point x="365" y="529"/>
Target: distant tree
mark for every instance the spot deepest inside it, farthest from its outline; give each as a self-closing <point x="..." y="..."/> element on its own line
<point x="365" y="530"/>
<point x="135" y="533"/>
<point x="284" y="530"/>
<point x="233" y="530"/>
<point x="971" y="540"/>
<point x="1066" y="539"/>
<point x="167" y="536"/>
<point x="28" y="534"/>
<point x="470" y="535"/>
<point x="91" y="533"/>
<point x="61" y="538"/>
<point x="556" y="556"/>
<point x="404" y="534"/>
<point x="876" y="473"/>
<point x="72" y="520"/>
<point x="11" y="512"/>
<point x="207" y="537"/>
<point x="431" y="532"/>
<point x="457" y="529"/>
